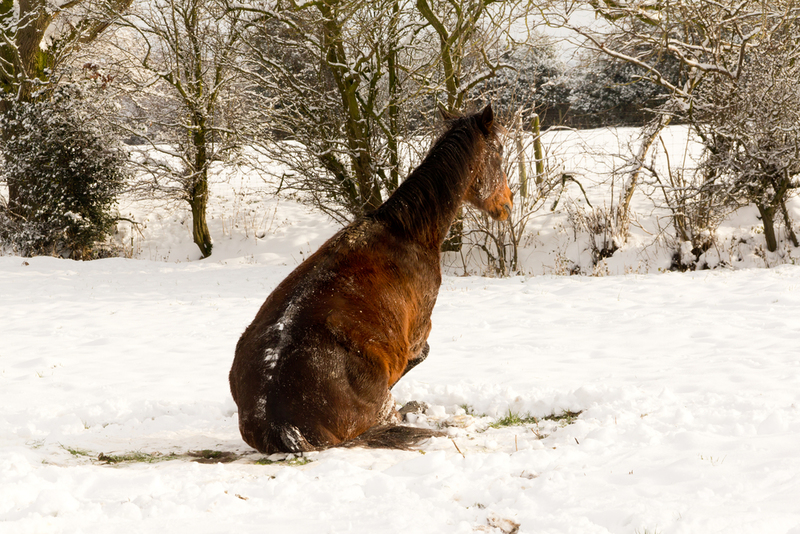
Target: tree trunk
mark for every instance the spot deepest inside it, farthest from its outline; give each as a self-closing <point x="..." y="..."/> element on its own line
<point x="7" y="53"/>
<point x="788" y="222"/>
<point x="198" y="200"/>
<point x="446" y="56"/>
<point x="649" y="136"/>
<point x="394" y="112"/>
<point x="522" y="164"/>
<point x="29" y="38"/>
<point x="198" y="194"/>
<point x="538" y="153"/>
<point x="768" y="220"/>
<point x="780" y="185"/>
<point x="455" y="237"/>
<point x="355" y="128"/>
<point x="342" y="176"/>
<point x="24" y="62"/>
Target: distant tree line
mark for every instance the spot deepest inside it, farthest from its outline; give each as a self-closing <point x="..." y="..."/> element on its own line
<point x="329" y="90"/>
<point x="333" y="91"/>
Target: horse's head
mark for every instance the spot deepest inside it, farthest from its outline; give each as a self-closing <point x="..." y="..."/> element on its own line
<point x="488" y="190"/>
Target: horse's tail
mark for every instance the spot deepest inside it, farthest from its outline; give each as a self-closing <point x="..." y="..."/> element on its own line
<point x="392" y="437"/>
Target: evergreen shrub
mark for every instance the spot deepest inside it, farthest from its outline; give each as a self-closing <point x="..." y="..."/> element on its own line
<point x="63" y="174"/>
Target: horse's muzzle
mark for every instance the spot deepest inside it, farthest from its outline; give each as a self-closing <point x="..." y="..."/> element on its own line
<point x="501" y="214"/>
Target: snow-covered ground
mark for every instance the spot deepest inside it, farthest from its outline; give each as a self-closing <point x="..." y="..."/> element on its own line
<point x="113" y="380"/>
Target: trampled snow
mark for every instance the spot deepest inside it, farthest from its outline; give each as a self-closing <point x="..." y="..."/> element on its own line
<point x="687" y="384"/>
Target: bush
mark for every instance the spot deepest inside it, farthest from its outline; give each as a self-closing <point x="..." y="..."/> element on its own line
<point x="63" y="174"/>
<point x="531" y="81"/>
<point x="611" y="92"/>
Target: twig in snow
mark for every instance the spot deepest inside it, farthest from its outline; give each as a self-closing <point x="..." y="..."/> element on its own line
<point x="456" y="446"/>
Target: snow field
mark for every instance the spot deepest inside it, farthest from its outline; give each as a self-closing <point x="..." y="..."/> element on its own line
<point x="687" y="383"/>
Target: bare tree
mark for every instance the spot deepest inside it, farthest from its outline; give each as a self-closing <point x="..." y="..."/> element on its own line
<point x="176" y="75"/>
<point x="30" y="49"/>
<point x="473" y="36"/>
<point x="345" y="82"/>
<point x="737" y="89"/>
<point x="325" y="76"/>
<point x="751" y="128"/>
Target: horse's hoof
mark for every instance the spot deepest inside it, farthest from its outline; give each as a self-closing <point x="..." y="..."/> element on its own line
<point x="412" y="407"/>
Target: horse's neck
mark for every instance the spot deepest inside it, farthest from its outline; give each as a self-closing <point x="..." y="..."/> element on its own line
<point x="426" y="203"/>
<point x="444" y="209"/>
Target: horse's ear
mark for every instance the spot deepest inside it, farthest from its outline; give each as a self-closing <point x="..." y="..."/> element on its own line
<point x="486" y="120"/>
<point x="446" y="115"/>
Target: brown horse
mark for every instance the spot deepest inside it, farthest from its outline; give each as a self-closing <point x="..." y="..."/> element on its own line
<point x="315" y="367"/>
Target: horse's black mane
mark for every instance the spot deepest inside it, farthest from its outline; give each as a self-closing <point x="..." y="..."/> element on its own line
<point x="428" y="199"/>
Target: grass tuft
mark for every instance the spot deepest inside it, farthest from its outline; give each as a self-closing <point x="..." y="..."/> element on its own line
<point x="294" y="461"/>
<point x="564" y="418"/>
<point x="515" y="419"/>
<point x="74" y="451"/>
<point x="135" y="457"/>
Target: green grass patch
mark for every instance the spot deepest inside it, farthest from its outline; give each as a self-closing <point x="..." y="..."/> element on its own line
<point x="135" y="457"/>
<point x="516" y="419"/>
<point x="74" y="451"/>
<point x="297" y="461"/>
<point x="564" y="418"/>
